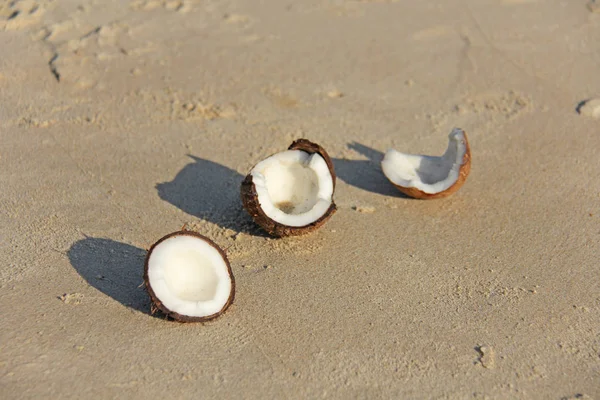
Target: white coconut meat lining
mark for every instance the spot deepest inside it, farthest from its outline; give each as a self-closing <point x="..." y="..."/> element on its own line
<point x="189" y="276"/>
<point x="426" y="173"/>
<point x="294" y="188"/>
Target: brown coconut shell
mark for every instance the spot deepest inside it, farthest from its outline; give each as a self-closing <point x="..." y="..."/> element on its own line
<point x="463" y="172"/>
<point x="273" y="228"/>
<point x="158" y="305"/>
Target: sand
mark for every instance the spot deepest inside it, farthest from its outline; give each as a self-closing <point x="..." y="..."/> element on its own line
<point x="120" y="121"/>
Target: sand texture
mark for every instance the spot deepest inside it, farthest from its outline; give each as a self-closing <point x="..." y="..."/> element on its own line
<point x="121" y="121"/>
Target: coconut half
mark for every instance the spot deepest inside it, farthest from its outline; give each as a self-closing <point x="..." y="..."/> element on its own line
<point x="188" y="277"/>
<point x="427" y="177"/>
<point x="291" y="193"/>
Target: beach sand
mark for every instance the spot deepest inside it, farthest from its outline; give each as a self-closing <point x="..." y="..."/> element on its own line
<point x="120" y="121"/>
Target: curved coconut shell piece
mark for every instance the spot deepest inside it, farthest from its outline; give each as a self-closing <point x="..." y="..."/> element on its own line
<point x="157" y="305"/>
<point x="463" y="172"/>
<point x="251" y="204"/>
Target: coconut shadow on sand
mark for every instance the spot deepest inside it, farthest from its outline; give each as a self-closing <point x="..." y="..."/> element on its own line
<point x="365" y="174"/>
<point x="211" y="192"/>
<point x="114" y="268"/>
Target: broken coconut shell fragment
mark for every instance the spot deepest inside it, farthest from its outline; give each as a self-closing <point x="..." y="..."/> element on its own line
<point x="428" y="177"/>
<point x="291" y="193"/>
<point x="188" y="277"/>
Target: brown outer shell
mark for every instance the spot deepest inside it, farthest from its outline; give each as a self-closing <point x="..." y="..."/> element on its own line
<point x="462" y="177"/>
<point x="172" y="314"/>
<point x="251" y="204"/>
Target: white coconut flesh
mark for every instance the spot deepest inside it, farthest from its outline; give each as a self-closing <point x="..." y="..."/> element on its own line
<point x="426" y="173"/>
<point x="294" y="188"/>
<point x="189" y="276"/>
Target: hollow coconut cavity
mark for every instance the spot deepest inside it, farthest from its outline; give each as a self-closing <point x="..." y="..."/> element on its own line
<point x="427" y="177"/>
<point x="188" y="277"/>
<point x="291" y="193"/>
